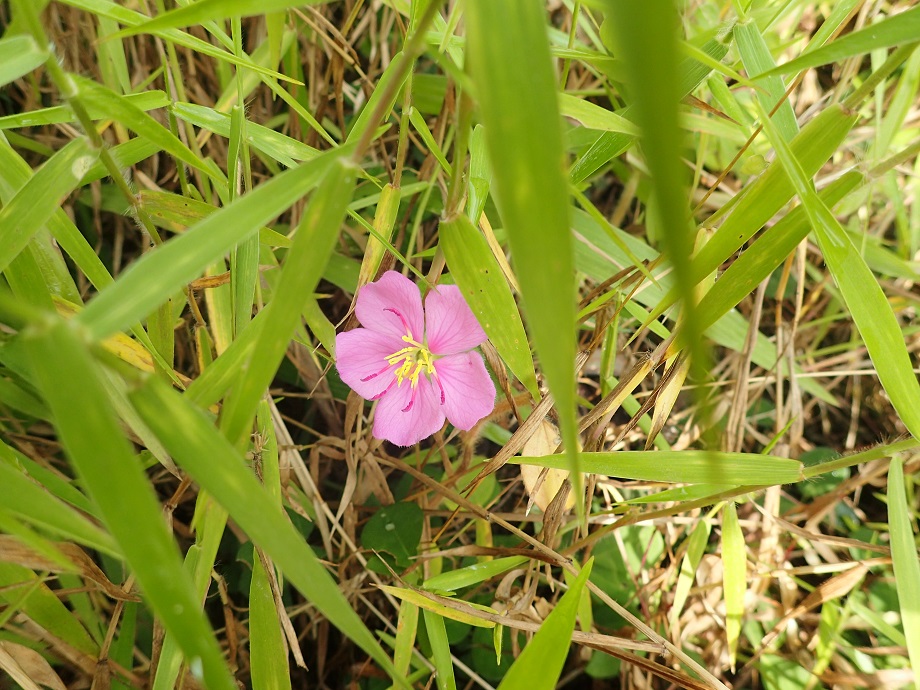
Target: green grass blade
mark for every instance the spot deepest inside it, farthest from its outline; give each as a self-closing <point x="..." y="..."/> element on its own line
<point x="282" y="148"/>
<point x="129" y="17"/>
<point x="475" y="270"/>
<point x="219" y="468"/>
<point x="473" y="574"/>
<point x="38" y="198"/>
<point x="19" y="55"/>
<point x="894" y="30"/>
<point x="865" y="300"/>
<point x="303" y="267"/>
<point x="102" y="456"/>
<point x="440" y="650"/>
<point x="696" y="545"/>
<point x="523" y="131"/>
<point x="389" y="84"/>
<point x="267" y="650"/>
<point x="766" y="253"/>
<point x="757" y="59"/>
<point x="612" y="144"/>
<point x="135" y="119"/>
<point x="592" y="116"/>
<point x="764" y="197"/>
<point x="161" y="273"/>
<point x="540" y="664"/>
<point x="20" y="495"/>
<point x="43" y="606"/>
<point x="146" y="100"/>
<point x="734" y="577"/>
<point x="685" y="466"/>
<point x="647" y="35"/>
<point x="904" y="559"/>
<point x="215" y="11"/>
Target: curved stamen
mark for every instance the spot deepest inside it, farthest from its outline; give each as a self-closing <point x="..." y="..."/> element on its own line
<point x="401" y="318"/>
<point x="375" y="375"/>
<point x="438" y="381"/>
<point x="411" y="401"/>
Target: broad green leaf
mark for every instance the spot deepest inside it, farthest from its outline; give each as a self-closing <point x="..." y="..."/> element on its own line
<point x="685" y="466"/>
<point x="865" y="300"/>
<point x="473" y="574"/>
<point x="212" y="461"/>
<point x="19" y="55"/>
<point x="214" y="11"/>
<point x="397" y="530"/>
<point x="904" y="559"/>
<point x="903" y="27"/>
<point x="40" y="196"/>
<point x="95" y="444"/>
<point x="734" y="577"/>
<point x="540" y="664"/>
<point x="524" y="136"/>
<point x="475" y="270"/>
<point x="303" y="267"/>
<point x="182" y="259"/>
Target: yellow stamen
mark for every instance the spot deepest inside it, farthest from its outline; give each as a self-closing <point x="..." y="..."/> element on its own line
<point x="415" y="359"/>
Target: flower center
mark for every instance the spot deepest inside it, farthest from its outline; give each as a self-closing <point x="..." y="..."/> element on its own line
<point x="415" y="359"/>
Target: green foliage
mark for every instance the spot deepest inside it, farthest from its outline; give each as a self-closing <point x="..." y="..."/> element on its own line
<point x="674" y="232"/>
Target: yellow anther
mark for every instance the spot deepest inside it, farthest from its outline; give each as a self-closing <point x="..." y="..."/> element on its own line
<point x="415" y="359"/>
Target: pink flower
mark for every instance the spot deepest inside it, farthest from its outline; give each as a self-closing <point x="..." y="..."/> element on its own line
<point x="417" y="363"/>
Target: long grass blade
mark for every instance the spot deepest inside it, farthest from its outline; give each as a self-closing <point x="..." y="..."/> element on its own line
<point x="523" y="132"/>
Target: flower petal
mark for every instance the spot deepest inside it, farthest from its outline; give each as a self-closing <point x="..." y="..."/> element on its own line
<point x="391" y="305"/>
<point x="405" y="415"/>
<point x="361" y="358"/>
<point x="468" y="393"/>
<point x="450" y="325"/>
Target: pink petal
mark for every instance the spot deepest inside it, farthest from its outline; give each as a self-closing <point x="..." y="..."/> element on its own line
<point x="391" y="305"/>
<point x="468" y="391"/>
<point x="451" y="326"/>
<point x="405" y="415"/>
<point x="361" y="358"/>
